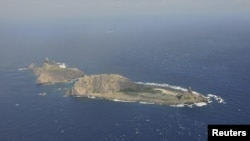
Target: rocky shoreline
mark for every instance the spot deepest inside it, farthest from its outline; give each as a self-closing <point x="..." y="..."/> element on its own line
<point x="112" y="86"/>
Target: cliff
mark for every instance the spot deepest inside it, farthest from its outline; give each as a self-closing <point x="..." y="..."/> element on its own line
<point x="103" y="83"/>
<point x="52" y="72"/>
<point x="117" y="87"/>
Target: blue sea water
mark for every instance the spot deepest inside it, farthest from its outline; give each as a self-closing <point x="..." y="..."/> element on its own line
<point x="28" y="116"/>
<point x="212" y="59"/>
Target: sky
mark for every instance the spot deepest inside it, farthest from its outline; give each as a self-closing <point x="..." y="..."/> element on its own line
<point x="48" y="11"/>
<point x="109" y="16"/>
<point x="31" y="25"/>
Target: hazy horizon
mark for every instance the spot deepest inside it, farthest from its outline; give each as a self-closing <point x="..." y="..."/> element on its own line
<point x="98" y="30"/>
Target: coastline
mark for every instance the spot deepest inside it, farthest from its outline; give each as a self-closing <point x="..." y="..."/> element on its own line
<point x="143" y="98"/>
<point x="113" y="87"/>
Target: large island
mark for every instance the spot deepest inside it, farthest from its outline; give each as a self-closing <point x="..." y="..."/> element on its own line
<point x="113" y="86"/>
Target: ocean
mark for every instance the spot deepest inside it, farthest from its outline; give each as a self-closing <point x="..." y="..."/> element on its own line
<point x="207" y="50"/>
<point x="28" y="115"/>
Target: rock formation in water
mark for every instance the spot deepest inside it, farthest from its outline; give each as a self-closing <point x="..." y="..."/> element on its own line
<point x="112" y="86"/>
<point x="117" y="87"/>
<point x="52" y="72"/>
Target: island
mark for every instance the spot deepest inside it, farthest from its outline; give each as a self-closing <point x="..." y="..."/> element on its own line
<point x="113" y="86"/>
<point x="52" y="72"/>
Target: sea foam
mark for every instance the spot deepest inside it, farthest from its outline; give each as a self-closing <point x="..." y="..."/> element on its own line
<point x="178" y="105"/>
<point x="92" y="97"/>
<point x="22" y="69"/>
<point x="117" y="100"/>
<point x="163" y="85"/>
<point x="200" y="104"/>
<point x="218" y="99"/>
<point x="142" y="102"/>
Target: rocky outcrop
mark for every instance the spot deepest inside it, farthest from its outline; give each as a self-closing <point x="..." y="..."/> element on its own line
<point x="190" y="98"/>
<point x="114" y="86"/>
<point x="103" y="83"/>
<point x="52" y="72"/>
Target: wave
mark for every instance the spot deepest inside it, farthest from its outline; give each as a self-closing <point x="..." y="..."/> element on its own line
<point x="42" y="94"/>
<point x="92" y="97"/>
<point x="142" y="102"/>
<point x="178" y="105"/>
<point x="200" y="104"/>
<point x="218" y="99"/>
<point x="22" y="69"/>
<point x="163" y="85"/>
<point x="117" y="100"/>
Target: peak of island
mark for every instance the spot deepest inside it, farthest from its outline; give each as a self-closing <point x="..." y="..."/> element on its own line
<point x="112" y="86"/>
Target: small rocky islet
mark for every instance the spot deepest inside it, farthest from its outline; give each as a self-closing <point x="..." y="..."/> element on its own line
<point x="112" y="86"/>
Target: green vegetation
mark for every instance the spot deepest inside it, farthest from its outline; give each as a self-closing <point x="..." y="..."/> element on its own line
<point x="95" y="91"/>
<point x="186" y="96"/>
<point x="140" y="90"/>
